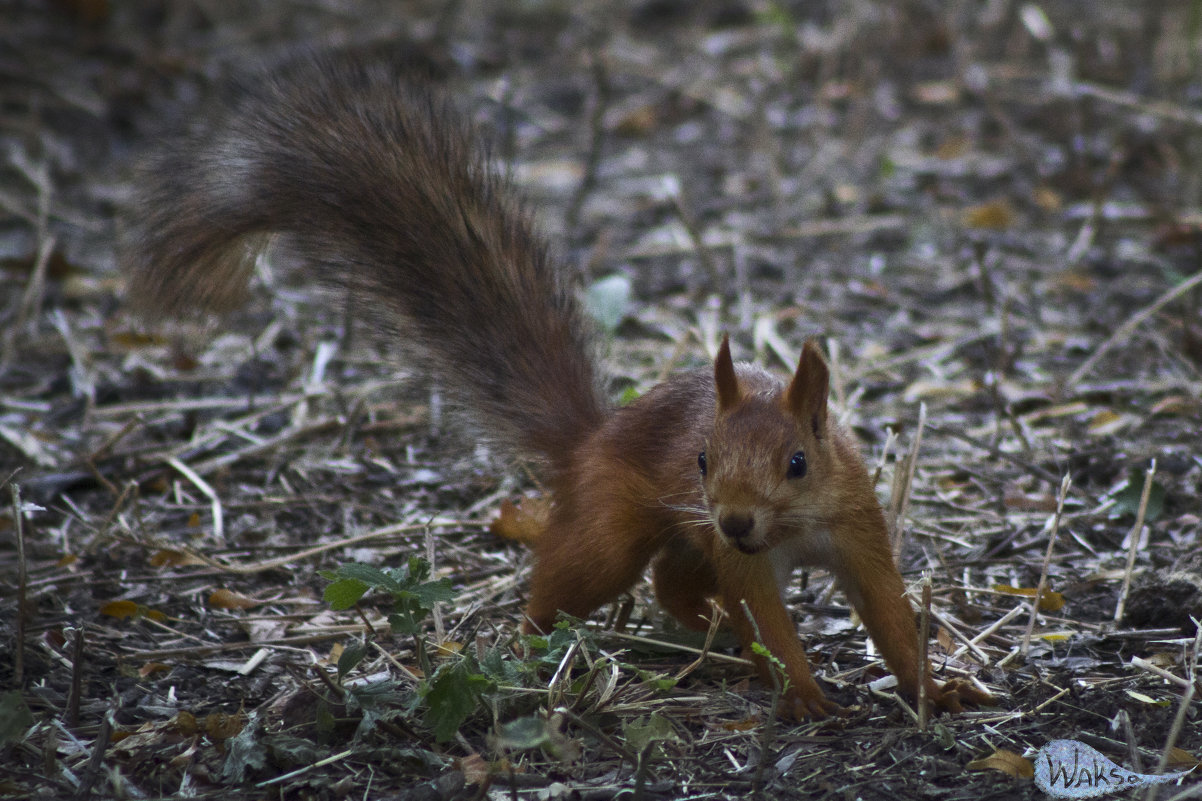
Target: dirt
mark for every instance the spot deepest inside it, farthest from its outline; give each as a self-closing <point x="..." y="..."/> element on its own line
<point x="987" y="213"/>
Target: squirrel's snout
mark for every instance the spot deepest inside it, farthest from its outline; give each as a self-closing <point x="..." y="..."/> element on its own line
<point x="737" y="527"/>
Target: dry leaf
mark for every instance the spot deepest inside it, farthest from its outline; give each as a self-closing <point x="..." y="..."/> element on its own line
<point x="1007" y="762"/>
<point x="474" y="768"/>
<point x="1107" y="422"/>
<point x="747" y="724"/>
<point x="130" y="340"/>
<point x="219" y="726"/>
<point x="228" y="599"/>
<point x="185" y="723"/>
<point x="150" y="668"/>
<point x="937" y="93"/>
<point x="1176" y="405"/>
<point x="1180" y="759"/>
<point x="1040" y="502"/>
<point x="996" y="216"/>
<point x="1048" y="199"/>
<point x="169" y="557"/>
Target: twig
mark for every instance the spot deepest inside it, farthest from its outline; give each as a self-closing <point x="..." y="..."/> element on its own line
<point x="602" y="97"/>
<point x="1047" y="558"/>
<point x="989" y="632"/>
<point x="1126" y="328"/>
<point x="1156" y="108"/>
<point x="272" y="564"/>
<point x="903" y="502"/>
<point x="22" y="579"/>
<point x="1134" y="537"/>
<point x="711" y="632"/>
<point x="207" y="491"/>
<point x="1187" y="698"/>
<point x="712" y="655"/>
<point x="996" y="453"/>
<point x="924" y="636"/>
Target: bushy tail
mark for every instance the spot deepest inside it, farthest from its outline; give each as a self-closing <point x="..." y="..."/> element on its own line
<point x="381" y="188"/>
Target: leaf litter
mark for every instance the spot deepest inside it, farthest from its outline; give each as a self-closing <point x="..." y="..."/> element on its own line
<point x="986" y="211"/>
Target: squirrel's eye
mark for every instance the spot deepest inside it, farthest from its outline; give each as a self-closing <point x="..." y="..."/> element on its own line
<point x="701" y="462"/>
<point x="797" y="465"/>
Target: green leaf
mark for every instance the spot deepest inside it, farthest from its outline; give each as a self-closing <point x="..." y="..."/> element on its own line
<point x="452" y="695"/>
<point x="344" y="593"/>
<point x="525" y="733"/>
<point x="646" y="731"/>
<point x="607" y="300"/>
<point x="351" y="656"/>
<point x="433" y="592"/>
<point x="1127" y="499"/>
<point x="15" y="717"/>
<point x="370" y="575"/>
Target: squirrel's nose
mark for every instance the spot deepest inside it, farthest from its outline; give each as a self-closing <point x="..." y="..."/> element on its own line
<point x="736" y="526"/>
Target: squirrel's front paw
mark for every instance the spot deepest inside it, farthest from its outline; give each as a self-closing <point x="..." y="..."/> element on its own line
<point x="809" y="703"/>
<point x="955" y="693"/>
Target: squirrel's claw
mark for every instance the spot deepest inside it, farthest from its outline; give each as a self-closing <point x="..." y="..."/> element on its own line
<point x="798" y="705"/>
<point x="955" y="693"/>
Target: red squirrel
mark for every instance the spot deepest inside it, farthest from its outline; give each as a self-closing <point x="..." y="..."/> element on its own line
<point x="723" y="481"/>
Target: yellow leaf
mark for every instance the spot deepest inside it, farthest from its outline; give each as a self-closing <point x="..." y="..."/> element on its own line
<point x="194" y="520"/>
<point x="123" y="609"/>
<point x="1050" y="602"/>
<point x="996" y="216"/>
<point x="119" y="609"/>
<point x="449" y="648"/>
<point x="1048" y="199"/>
<point x="1146" y="699"/>
<point x="1007" y="762"/>
<point x="1106" y="422"/>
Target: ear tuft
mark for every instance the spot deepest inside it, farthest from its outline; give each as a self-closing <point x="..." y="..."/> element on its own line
<point x="725" y="381"/>
<point x="806" y="397"/>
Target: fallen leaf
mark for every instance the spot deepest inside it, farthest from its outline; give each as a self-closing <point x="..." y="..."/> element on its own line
<point x="1050" y="601"/>
<point x="1007" y="762"/>
<point x="119" y="609"/>
<point x="169" y="557"/>
<point x="150" y="668"/>
<point x="228" y="599"/>
<point x="996" y="216"/>
<point x="221" y="726"/>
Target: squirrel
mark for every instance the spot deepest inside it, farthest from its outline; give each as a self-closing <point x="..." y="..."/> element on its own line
<point x="723" y="481"/>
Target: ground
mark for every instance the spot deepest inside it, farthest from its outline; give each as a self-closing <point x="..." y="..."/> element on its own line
<point x="986" y="213"/>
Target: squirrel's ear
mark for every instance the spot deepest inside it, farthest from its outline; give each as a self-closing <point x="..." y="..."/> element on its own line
<point x="724" y="377"/>
<point x="806" y="397"/>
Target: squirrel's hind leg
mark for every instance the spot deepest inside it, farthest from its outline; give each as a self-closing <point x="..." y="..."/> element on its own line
<point x="580" y="565"/>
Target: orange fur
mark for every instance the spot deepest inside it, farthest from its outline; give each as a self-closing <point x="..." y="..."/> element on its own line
<point x="384" y="194"/>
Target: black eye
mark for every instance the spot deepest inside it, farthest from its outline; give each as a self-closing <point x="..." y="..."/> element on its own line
<point x="797" y="465"/>
<point x="701" y="462"/>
